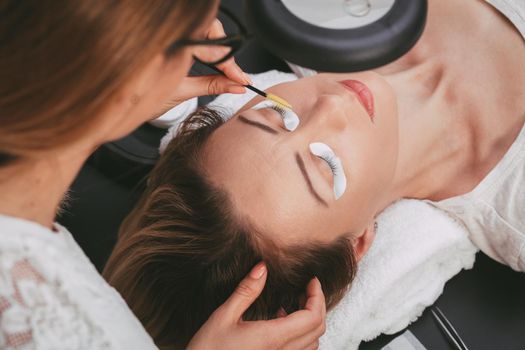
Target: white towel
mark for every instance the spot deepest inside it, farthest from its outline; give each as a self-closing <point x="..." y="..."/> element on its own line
<point x="175" y="115"/>
<point x="416" y="250"/>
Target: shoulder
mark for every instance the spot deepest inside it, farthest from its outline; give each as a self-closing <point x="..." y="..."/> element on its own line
<point x="35" y="309"/>
<point x="51" y="297"/>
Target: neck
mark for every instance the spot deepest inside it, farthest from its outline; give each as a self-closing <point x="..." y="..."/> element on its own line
<point x="33" y="189"/>
<point x="449" y="138"/>
<point x="426" y="142"/>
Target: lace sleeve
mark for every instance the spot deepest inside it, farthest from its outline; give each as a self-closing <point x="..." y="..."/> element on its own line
<point x="35" y="312"/>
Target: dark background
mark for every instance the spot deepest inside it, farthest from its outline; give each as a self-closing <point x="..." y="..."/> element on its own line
<point x="486" y="304"/>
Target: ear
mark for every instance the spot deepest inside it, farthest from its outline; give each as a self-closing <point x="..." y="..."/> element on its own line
<point x="362" y="243"/>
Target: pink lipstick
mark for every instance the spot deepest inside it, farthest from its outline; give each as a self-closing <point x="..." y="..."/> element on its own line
<point x="363" y="94"/>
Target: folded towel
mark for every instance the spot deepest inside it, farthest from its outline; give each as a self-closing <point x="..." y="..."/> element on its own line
<point x="416" y="250"/>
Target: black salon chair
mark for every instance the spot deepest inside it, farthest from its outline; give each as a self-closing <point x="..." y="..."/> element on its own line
<point x="486" y="304"/>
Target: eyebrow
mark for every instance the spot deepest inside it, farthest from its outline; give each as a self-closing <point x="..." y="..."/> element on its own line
<point x="302" y="167"/>
<point x="298" y="159"/>
<point x="258" y="125"/>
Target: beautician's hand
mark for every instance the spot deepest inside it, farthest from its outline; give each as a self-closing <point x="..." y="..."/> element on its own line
<point x="225" y="328"/>
<point x="231" y="82"/>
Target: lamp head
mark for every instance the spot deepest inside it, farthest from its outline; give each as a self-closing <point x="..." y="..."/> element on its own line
<point x="337" y="35"/>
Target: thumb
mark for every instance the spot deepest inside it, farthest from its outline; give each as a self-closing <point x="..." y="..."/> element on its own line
<point x="246" y="292"/>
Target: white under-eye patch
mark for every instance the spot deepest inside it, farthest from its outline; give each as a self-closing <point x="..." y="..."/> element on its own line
<point x="324" y="152"/>
<point x="290" y="119"/>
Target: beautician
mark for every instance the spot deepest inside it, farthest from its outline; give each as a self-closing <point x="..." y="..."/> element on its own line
<point x="74" y="75"/>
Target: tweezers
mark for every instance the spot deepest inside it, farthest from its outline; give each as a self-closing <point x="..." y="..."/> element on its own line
<point x="445" y="325"/>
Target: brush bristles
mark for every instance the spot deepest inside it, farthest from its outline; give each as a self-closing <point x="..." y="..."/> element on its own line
<point x="280" y="101"/>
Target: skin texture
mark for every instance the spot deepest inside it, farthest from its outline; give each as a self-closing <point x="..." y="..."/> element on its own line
<point x="435" y="133"/>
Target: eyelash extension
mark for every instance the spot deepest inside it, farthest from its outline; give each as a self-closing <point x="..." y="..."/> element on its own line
<point x="278" y="109"/>
<point x="290" y="119"/>
<point x="331" y="161"/>
<point x="324" y="152"/>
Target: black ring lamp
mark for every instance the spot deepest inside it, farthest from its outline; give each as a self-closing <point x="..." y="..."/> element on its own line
<point x="336" y="50"/>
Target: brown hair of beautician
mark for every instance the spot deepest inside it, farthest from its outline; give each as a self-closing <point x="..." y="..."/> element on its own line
<point x="61" y="62"/>
<point x="184" y="248"/>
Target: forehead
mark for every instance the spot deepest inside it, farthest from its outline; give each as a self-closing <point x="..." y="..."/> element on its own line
<point x="259" y="173"/>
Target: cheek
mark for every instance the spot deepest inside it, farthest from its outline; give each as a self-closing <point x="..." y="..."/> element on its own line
<point x="382" y="158"/>
<point x="372" y="166"/>
<point x="163" y="89"/>
<point x="387" y="126"/>
<point x="391" y="149"/>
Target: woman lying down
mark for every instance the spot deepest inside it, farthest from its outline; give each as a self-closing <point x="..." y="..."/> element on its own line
<point x="299" y="189"/>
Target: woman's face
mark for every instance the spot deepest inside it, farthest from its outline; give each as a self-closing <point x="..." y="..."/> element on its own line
<point x="286" y="191"/>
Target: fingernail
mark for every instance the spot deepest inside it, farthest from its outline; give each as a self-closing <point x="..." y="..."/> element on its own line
<point x="248" y="79"/>
<point x="244" y="77"/>
<point x="258" y="271"/>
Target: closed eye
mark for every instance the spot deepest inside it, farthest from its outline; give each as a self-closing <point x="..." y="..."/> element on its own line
<point x="278" y="109"/>
<point x="290" y="119"/>
<point x="324" y="152"/>
<point x="331" y="161"/>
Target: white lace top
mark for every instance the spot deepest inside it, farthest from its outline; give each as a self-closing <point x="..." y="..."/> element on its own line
<point x="52" y="297"/>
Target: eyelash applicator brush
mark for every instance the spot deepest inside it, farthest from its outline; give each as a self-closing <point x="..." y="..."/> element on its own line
<point x="274" y="98"/>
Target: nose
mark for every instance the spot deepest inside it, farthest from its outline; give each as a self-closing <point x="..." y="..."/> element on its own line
<point x="328" y="114"/>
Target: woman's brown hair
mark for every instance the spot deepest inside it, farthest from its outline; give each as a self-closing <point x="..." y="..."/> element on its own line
<point x="182" y="251"/>
<point x="62" y="61"/>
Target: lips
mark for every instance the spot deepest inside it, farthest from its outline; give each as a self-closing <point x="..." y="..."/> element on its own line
<point x="363" y="94"/>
